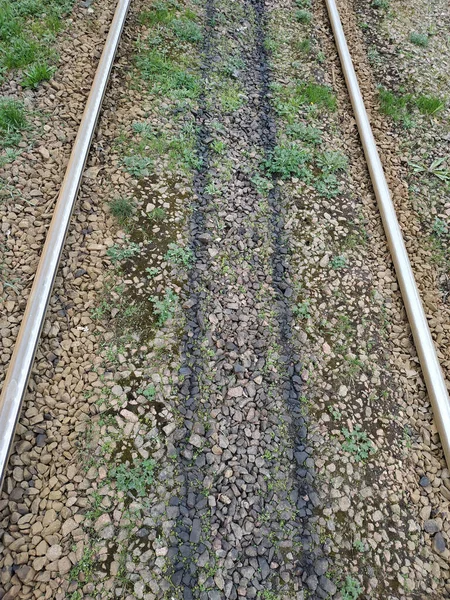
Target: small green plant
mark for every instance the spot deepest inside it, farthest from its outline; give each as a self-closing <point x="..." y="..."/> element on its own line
<point x="12" y="120"/>
<point x="301" y="310"/>
<point x="303" y="45"/>
<point x="332" y="161"/>
<point x="186" y="30"/>
<point x="144" y="129"/>
<point x="357" y="443"/>
<point x="289" y="160"/>
<point x="262" y="184"/>
<point x="303" y="16"/>
<point x="158" y="13"/>
<point x="359" y="545"/>
<point x="149" y="392"/>
<point x="351" y="589"/>
<point x="436" y="169"/>
<point x="157" y="214"/>
<point x="429" y="105"/>
<point x="395" y="106"/>
<point x="232" y="66"/>
<point x="152" y="271"/>
<point x="138" y="166"/>
<point x="121" y="208"/>
<point x="382" y="4"/>
<point x="36" y="74"/>
<point x="327" y="185"/>
<point x="440" y="227"/>
<point x="306" y="133"/>
<point x="338" y="262"/>
<point x="335" y="413"/>
<point x="120" y="253"/>
<point x="320" y="95"/>
<point x="85" y="565"/>
<point x="137" y="477"/>
<point x="231" y="99"/>
<point x="165" y="308"/>
<point x="218" y="146"/>
<point x="177" y="255"/>
<point x="419" y="39"/>
<point x="212" y="189"/>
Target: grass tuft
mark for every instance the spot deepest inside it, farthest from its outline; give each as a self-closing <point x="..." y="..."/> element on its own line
<point x="289" y="160"/>
<point x="36" y="74"/>
<point x="188" y="31"/>
<point x="303" y="16"/>
<point x="419" y="39"/>
<point x="429" y="105"/>
<point x="12" y="116"/>
<point x="121" y="208"/>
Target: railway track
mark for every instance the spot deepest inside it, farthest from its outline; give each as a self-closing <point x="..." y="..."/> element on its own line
<point x="207" y="435"/>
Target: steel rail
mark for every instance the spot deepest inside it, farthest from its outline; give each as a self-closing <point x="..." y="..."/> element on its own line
<point x="17" y="376"/>
<point x="432" y="372"/>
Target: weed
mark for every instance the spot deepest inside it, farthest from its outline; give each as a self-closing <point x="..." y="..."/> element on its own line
<point x="440" y="227"/>
<point x="269" y="595"/>
<point x="396" y="107"/>
<point x="382" y="4"/>
<point x="320" y="95"/>
<point x="303" y="16"/>
<point x="289" y="160"/>
<point x="165" y="308"/>
<point x="231" y="99"/>
<point x="12" y="120"/>
<point x="335" y="413"/>
<point x="9" y="156"/>
<point x="354" y="366"/>
<point x="419" y="39"/>
<point x="374" y="56"/>
<point x="262" y="184"/>
<point x="188" y="31"/>
<point x="332" y="161"/>
<point x="305" y="133"/>
<point x="359" y="545"/>
<point x="218" y="146"/>
<point x="358" y="443"/>
<point x="435" y="169"/>
<point x="429" y="105"/>
<point x="121" y="208"/>
<point x="119" y="253"/>
<point x="157" y="214"/>
<point x="212" y="189"/>
<point x="351" y="589"/>
<point x="338" y="262"/>
<point x="159" y="13"/>
<point x="85" y="565"/>
<point x="301" y="310"/>
<point x="303" y="45"/>
<point x="327" y="185"/>
<point x="36" y="74"/>
<point x="138" y="166"/>
<point x="142" y="128"/>
<point x="166" y="77"/>
<point x="149" y="392"/>
<point x="233" y="66"/>
<point x="177" y="255"/>
<point x="303" y="3"/>
<point x="289" y="99"/>
<point x="152" y="271"/>
<point x="137" y="477"/>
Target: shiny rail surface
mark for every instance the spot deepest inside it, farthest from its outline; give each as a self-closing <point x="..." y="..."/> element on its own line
<point x="432" y="372"/>
<point x="17" y="376"/>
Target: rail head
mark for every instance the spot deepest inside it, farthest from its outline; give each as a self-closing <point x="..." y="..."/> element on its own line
<point x="18" y="373"/>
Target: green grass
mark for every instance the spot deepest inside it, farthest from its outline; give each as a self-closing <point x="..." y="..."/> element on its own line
<point x="303" y="45"/>
<point x="186" y="30"/>
<point x="121" y="208"/>
<point x="157" y="214"/>
<point x="36" y="74"/>
<point x="27" y="31"/>
<point x="13" y="121"/>
<point x="303" y="16"/>
<point x="289" y="160"/>
<point x="231" y="98"/>
<point x="419" y="39"/>
<point x="395" y="106"/>
<point x="289" y="99"/>
<point x="429" y="105"/>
